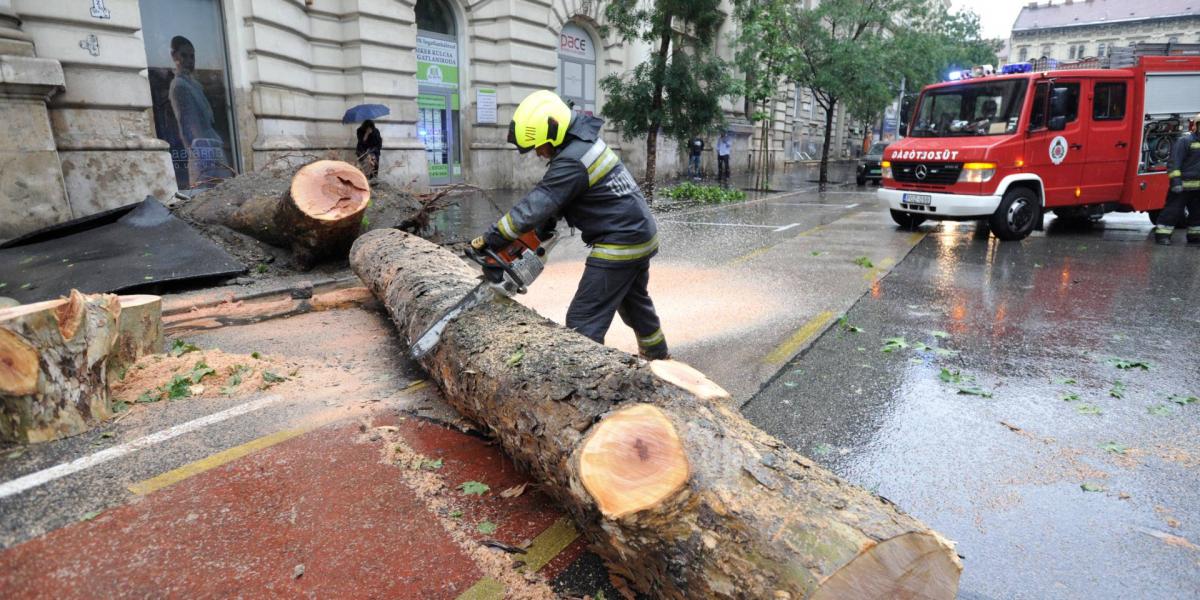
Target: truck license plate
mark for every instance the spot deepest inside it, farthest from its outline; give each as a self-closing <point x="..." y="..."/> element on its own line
<point x="917" y="199"/>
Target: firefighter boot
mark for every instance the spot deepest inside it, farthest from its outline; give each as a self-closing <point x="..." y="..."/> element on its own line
<point x="1193" y="236"/>
<point x="1162" y="235"/>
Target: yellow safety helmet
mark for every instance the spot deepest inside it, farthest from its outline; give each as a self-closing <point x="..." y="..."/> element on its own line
<point x="541" y="118"/>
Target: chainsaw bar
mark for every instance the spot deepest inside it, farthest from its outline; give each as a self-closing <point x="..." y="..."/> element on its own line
<point x="483" y="292"/>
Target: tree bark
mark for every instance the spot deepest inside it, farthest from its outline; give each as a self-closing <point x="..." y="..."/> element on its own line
<point x="679" y="494"/>
<point x="53" y="366"/>
<point x="664" y="48"/>
<point x="824" y="177"/>
<point x="140" y="332"/>
<point x="319" y="216"/>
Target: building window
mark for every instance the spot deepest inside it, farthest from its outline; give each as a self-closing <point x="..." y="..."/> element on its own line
<point x="1108" y="103"/>
<point x="577" y="68"/>
<point x="1048" y="51"/>
<point x="1101" y="49"/>
<point x="1023" y="54"/>
<point x="189" y="89"/>
<point x="1072" y="52"/>
<point x="1082" y="51"/>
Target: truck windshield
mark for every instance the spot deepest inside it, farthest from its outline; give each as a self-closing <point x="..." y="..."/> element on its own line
<point x="970" y="109"/>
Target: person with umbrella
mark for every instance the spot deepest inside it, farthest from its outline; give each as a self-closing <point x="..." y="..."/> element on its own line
<point x="369" y="142"/>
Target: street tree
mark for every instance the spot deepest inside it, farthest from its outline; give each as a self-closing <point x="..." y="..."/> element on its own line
<point x="678" y="90"/>
<point x="764" y="53"/>
<point x="853" y="53"/>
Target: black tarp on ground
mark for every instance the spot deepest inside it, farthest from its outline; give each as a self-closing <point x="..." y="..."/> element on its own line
<point x="142" y="248"/>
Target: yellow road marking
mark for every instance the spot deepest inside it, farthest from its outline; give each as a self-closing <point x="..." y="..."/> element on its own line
<point x="207" y="463"/>
<point x="211" y="462"/>
<point x="879" y="268"/>
<point x="915" y="237"/>
<point x="484" y="589"/>
<point x="749" y="255"/>
<point x="806" y="332"/>
<point x="541" y="551"/>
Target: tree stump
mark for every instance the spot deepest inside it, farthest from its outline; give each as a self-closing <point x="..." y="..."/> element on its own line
<point x="678" y="493"/>
<point x="140" y="332"/>
<point x="53" y="366"/>
<point x="318" y="217"/>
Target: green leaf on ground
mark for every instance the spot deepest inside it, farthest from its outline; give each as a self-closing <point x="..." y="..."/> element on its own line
<point x="486" y="528"/>
<point x="120" y="405"/>
<point x="921" y="346"/>
<point x="178" y="387"/>
<point x="790" y="384"/>
<point x="846" y="326"/>
<point x="1160" y="410"/>
<point x="91" y="514"/>
<point x="3" y="284"/>
<point x="26" y="286"/>
<point x="1118" y="389"/>
<point x="1114" y="447"/>
<point x="1092" y="487"/>
<point x="201" y="370"/>
<point x="1070" y="397"/>
<point x="1064" y="381"/>
<point x="146" y="398"/>
<point x="431" y="465"/>
<point x="255" y="355"/>
<point x="473" y="488"/>
<point x="1182" y="400"/>
<point x="1088" y="409"/>
<point x="974" y="391"/>
<point x="270" y="377"/>
<point x="1122" y="363"/>
<point x="894" y="344"/>
<point x="515" y="358"/>
<point x="819" y="253"/>
<point x="180" y="347"/>
<point x="456" y="514"/>
<point x="956" y="377"/>
<point x="261" y="268"/>
<point x="941" y="335"/>
<point x="148" y="278"/>
<point x="15" y="454"/>
<point x="945" y="352"/>
<point x="864" y="262"/>
<point x="822" y="449"/>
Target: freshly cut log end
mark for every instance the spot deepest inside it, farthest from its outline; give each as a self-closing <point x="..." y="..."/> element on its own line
<point x="69" y="315"/>
<point x="914" y="565"/>
<point x="329" y="190"/>
<point x="683" y="376"/>
<point x="140" y="332"/>
<point x="632" y="461"/>
<point x="18" y="365"/>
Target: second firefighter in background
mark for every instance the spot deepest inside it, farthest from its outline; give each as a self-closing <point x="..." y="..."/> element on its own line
<point x="1183" y="169"/>
<point x="586" y="183"/>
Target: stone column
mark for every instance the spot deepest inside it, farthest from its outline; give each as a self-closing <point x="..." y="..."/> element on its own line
<point x="32" y="192"/>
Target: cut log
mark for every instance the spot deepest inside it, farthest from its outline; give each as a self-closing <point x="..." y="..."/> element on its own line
<point x="254" y="311"/>
<point x="140" y="332"/>
<point x="683" y="375"/>
<point x="53" y="366"/>
<point x="679" y="494"/>
<point x="318" y="217"/>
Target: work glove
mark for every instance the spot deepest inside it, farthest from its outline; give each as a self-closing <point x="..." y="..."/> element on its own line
<point x="491" y="239"/>
<point x="1177" y="188"/>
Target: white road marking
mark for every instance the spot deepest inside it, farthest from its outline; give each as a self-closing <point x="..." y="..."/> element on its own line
<point x="722" y="224"/>
<point x="32" y="480"/>
<point x="812" y="204"/>
<point x="785" y="227"/>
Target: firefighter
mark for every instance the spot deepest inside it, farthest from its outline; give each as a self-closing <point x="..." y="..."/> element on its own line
<point x="586" y="183"/>
<point x="1184" y="171"/>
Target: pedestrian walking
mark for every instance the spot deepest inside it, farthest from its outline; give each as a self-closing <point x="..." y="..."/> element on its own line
<point x="695" y="149"/>
<point x="724" y="147"/>
<point x="368" y="149"/>
<point x="586" y="183"/>
<point x="1183" y="168"/>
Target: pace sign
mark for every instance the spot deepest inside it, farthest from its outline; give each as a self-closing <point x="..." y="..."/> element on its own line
<point x="574" y="41"/>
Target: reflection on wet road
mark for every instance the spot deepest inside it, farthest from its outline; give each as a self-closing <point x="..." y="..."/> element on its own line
<point x="1012" y="411"/>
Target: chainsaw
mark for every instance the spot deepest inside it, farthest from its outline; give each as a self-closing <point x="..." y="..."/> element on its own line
<point x="506" y="272"/>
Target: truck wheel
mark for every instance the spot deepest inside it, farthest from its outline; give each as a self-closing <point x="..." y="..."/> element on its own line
<point x="907" y="220"/>
<point x="1153" y="214"/>
<point x="1017" y="214"/>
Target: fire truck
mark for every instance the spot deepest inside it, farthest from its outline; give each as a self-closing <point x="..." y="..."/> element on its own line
<point x="1079" y="140"/>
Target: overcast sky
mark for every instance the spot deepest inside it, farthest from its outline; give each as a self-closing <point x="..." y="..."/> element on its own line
<point x="995" y="16"/>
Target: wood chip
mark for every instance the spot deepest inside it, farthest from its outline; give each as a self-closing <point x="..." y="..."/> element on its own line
<point x="514" y="491"/>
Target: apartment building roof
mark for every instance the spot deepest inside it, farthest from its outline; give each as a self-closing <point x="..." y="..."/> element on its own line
<point x="1093" y="12"/>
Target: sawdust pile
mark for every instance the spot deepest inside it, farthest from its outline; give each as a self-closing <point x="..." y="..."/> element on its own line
<point x="432" y="489"/>
<point x="200" y="373"/>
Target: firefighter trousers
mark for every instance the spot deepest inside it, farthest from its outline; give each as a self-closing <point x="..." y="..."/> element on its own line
<point x="1172" y="214"/>
<point x="621" y="289"/>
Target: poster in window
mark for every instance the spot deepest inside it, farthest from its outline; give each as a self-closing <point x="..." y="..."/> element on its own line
<point x="185" y="55"/>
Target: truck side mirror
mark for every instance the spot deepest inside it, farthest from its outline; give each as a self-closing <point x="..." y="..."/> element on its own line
<point x="1058" y="123"/>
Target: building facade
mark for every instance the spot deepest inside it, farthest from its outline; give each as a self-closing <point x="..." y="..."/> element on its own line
<point x="1069" y="30"/>
<point x="107" y="101"/>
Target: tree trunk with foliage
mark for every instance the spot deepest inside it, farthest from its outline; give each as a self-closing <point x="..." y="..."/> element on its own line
<point x="823" y="179"/>
<point x="679" y="494"/>
<point x="664" y="49"/>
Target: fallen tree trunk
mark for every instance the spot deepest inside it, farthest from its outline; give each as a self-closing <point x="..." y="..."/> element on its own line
<point x="319" y="216"/>
<point x="52" y="366"/>
<point x="679" y="494"/>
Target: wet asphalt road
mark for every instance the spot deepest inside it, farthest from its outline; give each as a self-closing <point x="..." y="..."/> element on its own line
<point x="1038" y="325"/>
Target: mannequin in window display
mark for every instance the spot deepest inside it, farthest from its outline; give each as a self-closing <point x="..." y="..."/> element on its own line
<point x="207" y="164"/>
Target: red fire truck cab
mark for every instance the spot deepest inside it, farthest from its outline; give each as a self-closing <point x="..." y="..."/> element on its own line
<point x="1007" y="148"/>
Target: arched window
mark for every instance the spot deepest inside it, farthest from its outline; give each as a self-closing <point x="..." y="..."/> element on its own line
<point x="438" y="103"/>
<point x="1023" y="55"/>
<point x="577" y="67"/>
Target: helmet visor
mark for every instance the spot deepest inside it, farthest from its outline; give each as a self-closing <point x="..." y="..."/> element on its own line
<point x="512" y="138"/>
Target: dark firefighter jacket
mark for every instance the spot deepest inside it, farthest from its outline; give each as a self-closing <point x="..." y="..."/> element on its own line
<point x="586" y="183"/>
<point x="1184" y="165"/>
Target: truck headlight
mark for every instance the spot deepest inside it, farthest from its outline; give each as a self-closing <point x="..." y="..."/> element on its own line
<point x="977" y="172"/>
<point x="885" y="169"/>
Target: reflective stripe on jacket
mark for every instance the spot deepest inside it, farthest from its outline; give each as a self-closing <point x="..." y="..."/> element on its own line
<point x="1184" y="165"/>
<point x="586" y="183"/>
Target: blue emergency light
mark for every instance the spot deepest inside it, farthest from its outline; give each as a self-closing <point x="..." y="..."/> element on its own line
<point x="1021" y="67"/>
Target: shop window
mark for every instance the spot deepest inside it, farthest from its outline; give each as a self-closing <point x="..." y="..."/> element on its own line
<point x="577" y="68"/>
